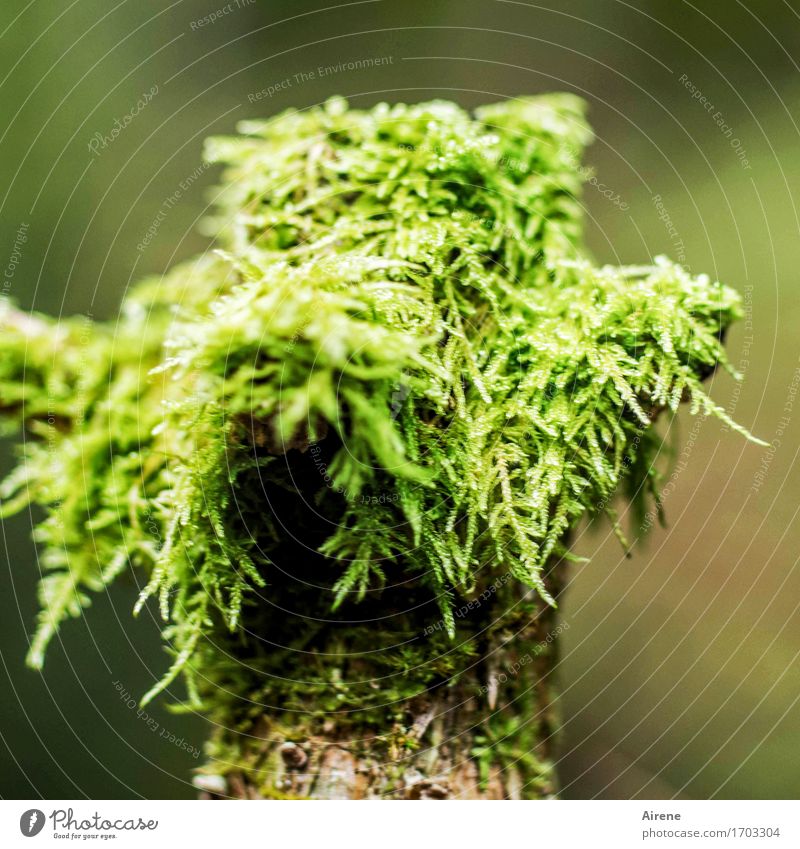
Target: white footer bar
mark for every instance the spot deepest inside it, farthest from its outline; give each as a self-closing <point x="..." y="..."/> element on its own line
<point x="386" y="825"/>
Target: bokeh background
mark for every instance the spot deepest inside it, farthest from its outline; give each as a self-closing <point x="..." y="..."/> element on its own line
<point x="680" y="668"/>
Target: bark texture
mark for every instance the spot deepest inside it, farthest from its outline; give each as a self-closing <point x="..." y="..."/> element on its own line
<point x="487" y="731"/>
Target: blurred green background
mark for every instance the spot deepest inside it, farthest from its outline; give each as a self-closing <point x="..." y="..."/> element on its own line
<point x="680" y="667"/>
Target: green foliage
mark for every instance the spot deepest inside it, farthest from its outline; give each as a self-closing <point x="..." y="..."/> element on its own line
<point x="399" y="369"/>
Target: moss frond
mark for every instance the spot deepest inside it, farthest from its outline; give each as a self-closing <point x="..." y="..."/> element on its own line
<point x="400" y="361"/>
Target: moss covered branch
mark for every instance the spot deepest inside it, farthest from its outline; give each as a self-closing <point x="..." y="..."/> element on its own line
<point x="346" y="451"/>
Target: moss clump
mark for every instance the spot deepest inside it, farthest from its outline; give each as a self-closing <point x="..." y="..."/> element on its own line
<point x="398" y="381"/>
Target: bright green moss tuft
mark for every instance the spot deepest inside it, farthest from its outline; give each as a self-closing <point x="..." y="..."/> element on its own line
<point x="399" y="370"/>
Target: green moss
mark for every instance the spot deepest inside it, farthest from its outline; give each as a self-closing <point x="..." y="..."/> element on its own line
<point x="399" y="379"/>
